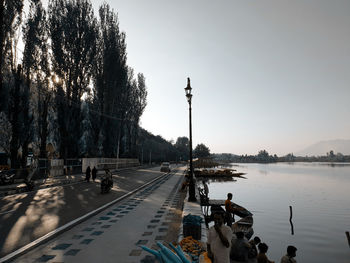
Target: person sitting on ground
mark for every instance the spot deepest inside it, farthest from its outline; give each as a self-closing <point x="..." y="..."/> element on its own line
<point x="253" y="251"/>
<point x="230" y="210"/>
<point x="289" y="257"/>
<point x="262" y="258"/>
<point x="219" y="237"/>
<point x="108" y="178"/>
<point x="240" y="247"/>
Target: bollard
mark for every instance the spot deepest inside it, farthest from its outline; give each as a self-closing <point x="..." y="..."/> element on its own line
<point x="348" y="237"/>
<point x="290" y="220"/>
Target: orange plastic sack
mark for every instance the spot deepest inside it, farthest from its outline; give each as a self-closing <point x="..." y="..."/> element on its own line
<point x="203" y="258"/>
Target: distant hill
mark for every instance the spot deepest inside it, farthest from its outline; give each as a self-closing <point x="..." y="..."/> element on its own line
<point x="323" y="147"/>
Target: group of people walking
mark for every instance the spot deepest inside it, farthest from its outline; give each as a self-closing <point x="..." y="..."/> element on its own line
<point x="90" y="172"/>
<point x="223" y="245"/>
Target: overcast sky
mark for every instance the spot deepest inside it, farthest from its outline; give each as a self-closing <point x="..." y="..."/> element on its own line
<point x="270" y="75"/>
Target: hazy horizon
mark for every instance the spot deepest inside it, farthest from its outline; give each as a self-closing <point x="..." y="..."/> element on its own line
<point x="270" y="75"/>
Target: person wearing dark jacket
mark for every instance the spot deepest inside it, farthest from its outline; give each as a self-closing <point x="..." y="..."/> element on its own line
<point x="94" y="173"/>
<point x="88" y="174"/>
<point x="253" y="251"/>
<point x="262" y="258"/>
<point x="289" y="257"/>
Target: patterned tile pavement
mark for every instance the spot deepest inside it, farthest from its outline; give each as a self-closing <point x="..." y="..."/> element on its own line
<point x="115" y="235"/>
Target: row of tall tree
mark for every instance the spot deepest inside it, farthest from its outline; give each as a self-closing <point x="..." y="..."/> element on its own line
<point x="156" y="149"/>
<point x="71" y="87"/>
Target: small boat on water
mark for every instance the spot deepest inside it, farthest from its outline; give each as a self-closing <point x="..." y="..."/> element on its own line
<point x="217" y="206"/>
<point x="240" y="210"/>
<point x="244" y="225"/>
<point x="217" y="173"/>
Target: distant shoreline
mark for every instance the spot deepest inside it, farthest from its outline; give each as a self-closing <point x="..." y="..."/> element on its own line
<point x="264" y="157"/>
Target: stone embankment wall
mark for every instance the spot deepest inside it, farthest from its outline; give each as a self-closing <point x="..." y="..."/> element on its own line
<point x="109" y="163"/>
<point x="56" y="166"/>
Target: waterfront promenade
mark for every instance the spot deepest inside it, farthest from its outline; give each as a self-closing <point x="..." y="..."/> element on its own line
<point x="115" y="234"/>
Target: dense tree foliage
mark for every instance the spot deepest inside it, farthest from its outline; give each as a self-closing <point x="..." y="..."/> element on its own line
<point x="201" y="151"/>
<point x="182" y="146"/>
<point x="72" y="87"/>
<point x="10" y="20"/>
<point x="12" y="92"/>
<point x="110" y="81"/>
<point x="156" y="149"/>
<point x="37" y="75"/>
<point x="73" y="35"/>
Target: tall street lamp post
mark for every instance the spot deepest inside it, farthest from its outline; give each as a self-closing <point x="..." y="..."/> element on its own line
<point x="191" y="186"/>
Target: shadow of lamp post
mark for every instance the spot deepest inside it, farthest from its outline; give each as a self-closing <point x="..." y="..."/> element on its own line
<point x="191" y="186"/>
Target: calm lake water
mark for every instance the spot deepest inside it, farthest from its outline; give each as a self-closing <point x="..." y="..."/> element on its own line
<point x="320" y="196"/>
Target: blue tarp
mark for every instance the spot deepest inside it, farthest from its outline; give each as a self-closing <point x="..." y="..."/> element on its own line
<point x="192" y="220"/>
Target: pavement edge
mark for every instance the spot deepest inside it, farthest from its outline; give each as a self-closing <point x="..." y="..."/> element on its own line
<point x="56" y="232"/>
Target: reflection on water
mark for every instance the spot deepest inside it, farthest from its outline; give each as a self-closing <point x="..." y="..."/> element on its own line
<point x="319" y="195"/>
<point x="335" y="164"/>
<point x="263" y="171"/>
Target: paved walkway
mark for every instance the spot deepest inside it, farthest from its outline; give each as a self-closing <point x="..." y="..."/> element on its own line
<point x="54" y="181"/>
<point x="115" y="234"/>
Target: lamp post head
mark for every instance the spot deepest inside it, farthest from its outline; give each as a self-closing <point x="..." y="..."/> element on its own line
<point x="189" y="97"/>
<point x="188" y="90"/>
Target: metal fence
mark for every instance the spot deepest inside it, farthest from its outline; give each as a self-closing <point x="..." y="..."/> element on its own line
<point x="73" y="166"/>
<point x="43" y="168"/>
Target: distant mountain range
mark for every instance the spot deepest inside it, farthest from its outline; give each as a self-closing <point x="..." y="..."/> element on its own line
<point x="323" y="147"/>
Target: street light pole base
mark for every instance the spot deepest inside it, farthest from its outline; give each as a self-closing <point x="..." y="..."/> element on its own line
<point x="192" y="191"/>
<point x="192" y="199"/>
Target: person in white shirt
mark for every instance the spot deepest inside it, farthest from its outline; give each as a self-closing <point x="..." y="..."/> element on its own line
<point x="219" y="240"/>
<point x="289" y="257"/>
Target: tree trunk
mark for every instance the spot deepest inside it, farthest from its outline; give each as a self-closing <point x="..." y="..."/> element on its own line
<point x="24" y="154"/>
<point x="134" y="141"/>
<point x="121" y="136"/>
<point x="25" y="131"/>
<point x="14" y="120"/>
<point x="1" y="49"/>
<point x="43" y="129"/>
